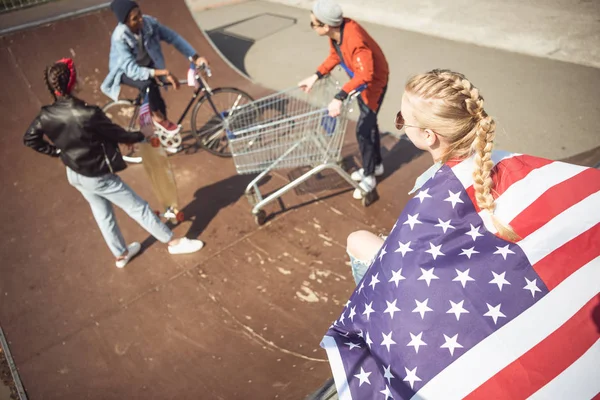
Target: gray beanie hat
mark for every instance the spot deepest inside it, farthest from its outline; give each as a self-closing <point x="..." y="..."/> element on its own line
<point x="328" y="12"/>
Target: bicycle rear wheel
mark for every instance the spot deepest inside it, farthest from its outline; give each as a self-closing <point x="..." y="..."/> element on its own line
<point x="125" y="114"/>
<point x="211" y="124"/>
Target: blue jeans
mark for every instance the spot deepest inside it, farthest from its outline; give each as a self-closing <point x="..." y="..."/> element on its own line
<point x="359" y="268"/>
<point x="104" y="191"/>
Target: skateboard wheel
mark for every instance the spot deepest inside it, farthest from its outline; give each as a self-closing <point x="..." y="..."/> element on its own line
<point x="154" y="141"/>
<point x="157" y="213"/>
<point x="179" y="216"/>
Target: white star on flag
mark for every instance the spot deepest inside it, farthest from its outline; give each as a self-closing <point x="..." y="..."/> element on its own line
<point x="411" y="376"/>
<point x="404" y="248"/>
<point x="368" y="340"/>
<point x="532" y="286"/>
<point x="387" y="393"/>
<point x="504" y="251"/>
<point x="383" y="253"/>
<point x="387" y="374"/>
<point x="391" y="308"/>
<point x="451" y="344"/>
<point x="362" y="286"/>
<point x="397" y="277"/>
<point x="423" y="194"/>
<point x="469" y="252"/>
<point x="352" y="345"/>
<point x="374" y="281"/>
<point x="427" y="276"/>
<point x="463" y="277"/>
<point x="499" y="280"/>
<point x="416" y="341"/>
<point x="454" y="198"/>
<point x="352" y="313"/>
<point x="445" y="225"/>
<point x="368" y="310"/>
<point x="412" y="221"/>
<point x="435" y="251"/>
<point x="361" y="334"/>
<point x="387" y="340"/>
<point x="474" y="232"/>
<point x="457" y="309"/>
<point x="422" y="308"/>
<point x="341" y="320"/>
<point x="363" y="376"/>
<point x="494" y="312"/>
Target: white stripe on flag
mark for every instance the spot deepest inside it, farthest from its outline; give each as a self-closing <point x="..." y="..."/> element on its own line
<point x="564" y="227"/>
<point x="579" y="381"/>
<point x="525" y="192"/>
<point x="507" y="344"/>
<point x="337" y="368"/>
<point x="464" y="169"/>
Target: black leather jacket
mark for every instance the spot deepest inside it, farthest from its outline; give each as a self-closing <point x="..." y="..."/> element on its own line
<point x="87" y="139"/>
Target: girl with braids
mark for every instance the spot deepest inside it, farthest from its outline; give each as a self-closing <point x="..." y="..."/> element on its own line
<point x="487" y="284"/>
<point x="87" y="143"/>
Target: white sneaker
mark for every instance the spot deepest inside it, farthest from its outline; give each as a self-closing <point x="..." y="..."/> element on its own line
<point x="186" y="246"/>
<point x="132" y="160"/>
<point x="360" y="174"/>
<point x="132" y="251"/>
<point x="367" y="185"/>
<point x="173" y="150"/>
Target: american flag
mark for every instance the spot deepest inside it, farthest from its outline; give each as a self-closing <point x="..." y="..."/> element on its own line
<point x="448" y="310"/>
<point x="145" y="114"/>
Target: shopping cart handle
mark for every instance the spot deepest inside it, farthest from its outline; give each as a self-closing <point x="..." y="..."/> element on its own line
<point x="357" y="91"/>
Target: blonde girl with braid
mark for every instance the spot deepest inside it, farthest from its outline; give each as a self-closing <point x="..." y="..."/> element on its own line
<point x="493" y="249"/>
<point x="442" y="113"/>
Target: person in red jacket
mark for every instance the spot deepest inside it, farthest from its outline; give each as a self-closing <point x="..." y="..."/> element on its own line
<point x="355" y="50"/>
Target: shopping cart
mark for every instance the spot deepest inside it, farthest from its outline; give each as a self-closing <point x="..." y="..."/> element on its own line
<point x="289" y="129"/>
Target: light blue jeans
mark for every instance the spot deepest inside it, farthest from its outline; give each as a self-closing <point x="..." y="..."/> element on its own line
<point x="104" y="191"/>
<point x="359" y="267"/>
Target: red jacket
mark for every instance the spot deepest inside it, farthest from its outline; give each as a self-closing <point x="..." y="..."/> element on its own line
<point x="364" y="58"/>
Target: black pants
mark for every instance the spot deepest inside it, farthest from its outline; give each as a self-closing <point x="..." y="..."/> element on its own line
<point x="155" y="100"/>
<point x="367" y="136"/>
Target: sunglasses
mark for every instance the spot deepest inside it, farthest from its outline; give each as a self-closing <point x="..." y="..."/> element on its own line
<point x="400" y="122"/>
<point x="317" y="25"/>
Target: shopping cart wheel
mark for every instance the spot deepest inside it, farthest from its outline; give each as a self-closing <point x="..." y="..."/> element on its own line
<point x="370" y="198"/>
<point x="260" y="218"/>
<point x="180" y="217"/>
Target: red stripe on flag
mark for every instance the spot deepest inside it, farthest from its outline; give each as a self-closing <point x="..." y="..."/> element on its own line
<point x="508" y="172"/>
<point x="596" y="397"/>
<point x="562" y="262"/>
<point x="512" y="170"/>
<point x="556" y="200"/>
<point x="544" y="362"/>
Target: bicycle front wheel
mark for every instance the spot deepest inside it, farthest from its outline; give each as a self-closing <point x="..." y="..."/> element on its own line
<point x="215" y="115"/>
<point x="125" y="114"/>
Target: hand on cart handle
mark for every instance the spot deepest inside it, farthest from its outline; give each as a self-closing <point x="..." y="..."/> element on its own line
<point x="335" y="108"/>
<point x="307" y="84"/>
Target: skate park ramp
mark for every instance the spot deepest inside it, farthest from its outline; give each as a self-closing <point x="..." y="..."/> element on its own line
<point x="243" y="318"/>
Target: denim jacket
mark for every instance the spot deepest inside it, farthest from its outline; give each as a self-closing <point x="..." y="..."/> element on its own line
<point x="123" y="52"/>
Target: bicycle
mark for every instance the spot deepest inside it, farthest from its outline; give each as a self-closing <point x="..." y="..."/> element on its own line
<point x="220" y="104"/>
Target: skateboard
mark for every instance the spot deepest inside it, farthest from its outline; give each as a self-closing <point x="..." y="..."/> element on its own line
<point x="158" y="168"/>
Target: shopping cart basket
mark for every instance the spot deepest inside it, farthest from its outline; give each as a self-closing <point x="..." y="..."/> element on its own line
<point x="289" y="129"/>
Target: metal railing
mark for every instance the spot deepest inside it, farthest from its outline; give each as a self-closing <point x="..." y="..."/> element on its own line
<point x="13" y="5"/>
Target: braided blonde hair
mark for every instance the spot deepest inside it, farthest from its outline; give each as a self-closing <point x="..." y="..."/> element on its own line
<point x="454" y="110"/>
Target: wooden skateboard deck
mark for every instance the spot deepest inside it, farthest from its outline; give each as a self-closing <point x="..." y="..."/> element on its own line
<point x="158" y="168"/>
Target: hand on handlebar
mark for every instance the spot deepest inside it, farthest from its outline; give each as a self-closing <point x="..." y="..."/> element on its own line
<point x="200" y="61"/>
<point x="173" y="81"/>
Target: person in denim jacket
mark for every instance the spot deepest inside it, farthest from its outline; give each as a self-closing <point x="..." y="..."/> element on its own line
<point x="136" y="58"/>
